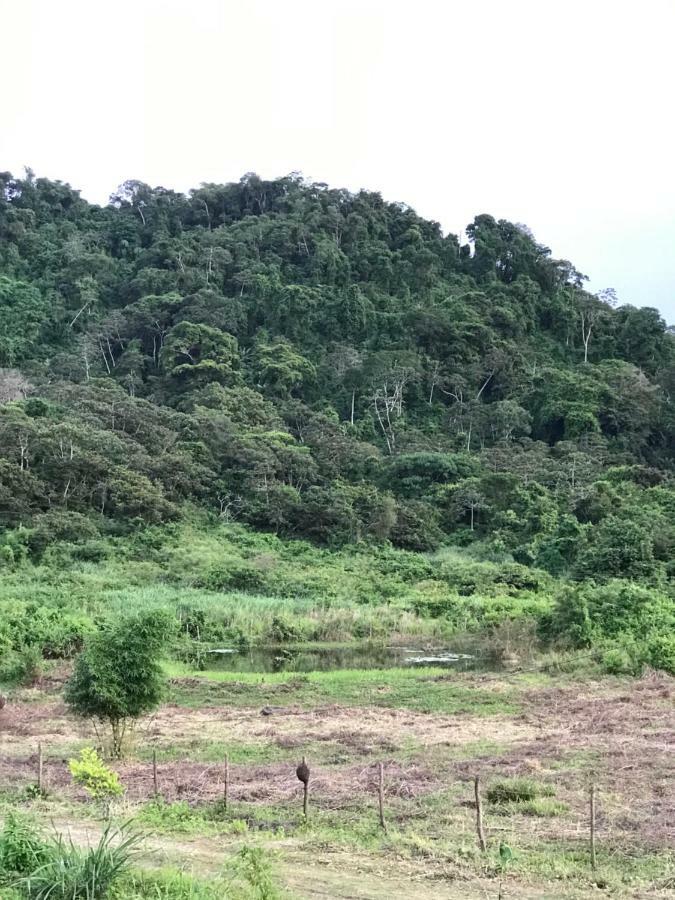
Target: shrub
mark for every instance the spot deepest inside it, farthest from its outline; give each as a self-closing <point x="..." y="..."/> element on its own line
<point x="236" y="576"/>
<point x="254" y="868"/>
<point x="60" y="525"/>
<point x="585" y="614"/>
<point x="22" y="849"/>
<point x="21" y="666"/>
<point x="169" y="885"/>
<point x="283" y="631"/>
<point x="178" y="816"/>
<point x="118" y="677"/>
<point x="518" y="790"/>
<point x="100" y="782"/>
<point x="660" y="652"/>
<point x="617" y="660"/>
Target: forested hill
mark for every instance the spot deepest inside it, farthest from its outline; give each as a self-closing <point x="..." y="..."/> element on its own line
<point x="325" y="365"/>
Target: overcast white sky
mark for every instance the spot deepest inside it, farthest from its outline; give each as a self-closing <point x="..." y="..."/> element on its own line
<point x="555" y="113"/>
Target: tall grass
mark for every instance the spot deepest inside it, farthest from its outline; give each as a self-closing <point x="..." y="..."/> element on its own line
<point x="64" y="871"/>
<point x="231" y="584"/>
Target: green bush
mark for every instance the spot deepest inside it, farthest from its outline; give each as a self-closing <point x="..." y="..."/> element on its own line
<point x="583" y="615"/>
<point x="169" y="885"/>
<point x="22" y="849"/>
<point x="60" y="525"/>
<point x="660" y="652"/>
<point x="254" y="868"/>
<point x="22" y="666"/>
<point x="236" y="576"/>
<point x="101" y="783"/>
<point x="284" y="631"/>
<point x="618" y="660"/>
<point x="118" y="677"/>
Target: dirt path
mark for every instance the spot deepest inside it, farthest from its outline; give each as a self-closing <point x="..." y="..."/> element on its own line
<point x="324" y="873"/>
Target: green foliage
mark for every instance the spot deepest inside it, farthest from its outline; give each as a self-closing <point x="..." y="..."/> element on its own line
<point x="587" y="614"/>
<point x="22" y="666"/>
<point x="330" y="367"/>
<point x="321" y="364"/>
<point x="171" y="885"/>
<point x="100" y="782"/>
<point x="23" y="313"/>
<point x="118" y="676"/>
<point x="22" y="848"/>
<point x="254" y="867"/>
<point x="67" y="872"/>
<point x="200" y="354"/>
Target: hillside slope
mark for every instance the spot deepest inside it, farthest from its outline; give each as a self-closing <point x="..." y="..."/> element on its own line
<point x="328" y="366"/>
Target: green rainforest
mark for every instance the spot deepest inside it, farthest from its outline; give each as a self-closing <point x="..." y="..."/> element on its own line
<point x="289" y="412"/>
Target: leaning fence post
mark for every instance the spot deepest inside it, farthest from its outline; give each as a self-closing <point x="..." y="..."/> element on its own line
<point x="380" y="795"/>
<point x="40" y="779"/>
<point x="155" y="782"/>
<point x="479" y="814"/>
<point x="592" y="827"/>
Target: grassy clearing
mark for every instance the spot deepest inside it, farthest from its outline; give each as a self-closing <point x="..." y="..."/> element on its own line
<point x="426" y="690"/>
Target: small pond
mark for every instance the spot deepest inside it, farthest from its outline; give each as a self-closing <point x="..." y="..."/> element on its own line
<point x="322" y="658"/>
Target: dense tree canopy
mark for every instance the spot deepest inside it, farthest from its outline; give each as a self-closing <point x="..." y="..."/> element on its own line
<point x="327" y="365"/>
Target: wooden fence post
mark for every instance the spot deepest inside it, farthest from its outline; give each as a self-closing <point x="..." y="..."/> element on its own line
<point x="592" y="827"/>
<point x="226" y="780"/>
<point x="380" y="795"/>
<point x="155" y="783"/>
<point x="479" y="815"/>
<point x="40" y="778"/>
<point x="303" y="774"/>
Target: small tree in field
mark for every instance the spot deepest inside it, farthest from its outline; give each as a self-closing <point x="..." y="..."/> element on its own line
<point x="118" y="676"/>
<point x="101" y="783"/>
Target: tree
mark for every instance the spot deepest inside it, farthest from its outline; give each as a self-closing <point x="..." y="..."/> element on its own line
<point x="279" y="367"/>
<point x="468" y="499"/>
<point x="23" y="312"/>
<point x="617" y="548"/>
<point x="118" y="676"/>
<point x="200" y="354"/>
<point x="13" y="385"/>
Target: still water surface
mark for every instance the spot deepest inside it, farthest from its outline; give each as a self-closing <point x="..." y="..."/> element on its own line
<point x="326" y="659"/>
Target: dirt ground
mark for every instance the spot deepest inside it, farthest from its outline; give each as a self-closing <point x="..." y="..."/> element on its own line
<point x="619" y="735"/>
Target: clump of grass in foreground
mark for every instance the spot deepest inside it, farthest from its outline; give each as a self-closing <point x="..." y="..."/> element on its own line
<point x="21" y="848"/>
<point x="55" y="869"/>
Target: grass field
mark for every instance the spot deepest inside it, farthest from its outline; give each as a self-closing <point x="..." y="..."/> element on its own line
<point x="539" y="741"/>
